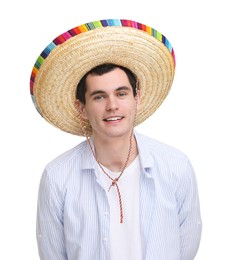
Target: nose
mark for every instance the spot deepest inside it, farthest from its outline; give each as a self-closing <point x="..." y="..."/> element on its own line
<point x="112" y="104"/>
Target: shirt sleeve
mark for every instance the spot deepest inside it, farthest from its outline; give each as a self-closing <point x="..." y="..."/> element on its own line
<point x="49" y="228"/>
<point x="189" y="215"/>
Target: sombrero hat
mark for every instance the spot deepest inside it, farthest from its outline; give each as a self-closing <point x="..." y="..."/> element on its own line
<point x="61" y="65"/>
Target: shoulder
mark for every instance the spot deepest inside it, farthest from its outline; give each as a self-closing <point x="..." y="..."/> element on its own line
<point x="61" y="168"/>
<point x="67" y="156"/>
<point x="160" y="149"/>
<point x="63" y="172"/>
<point x="164" y="161"/>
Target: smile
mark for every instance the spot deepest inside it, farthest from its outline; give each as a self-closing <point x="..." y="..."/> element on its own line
<point x="115" y="118"/>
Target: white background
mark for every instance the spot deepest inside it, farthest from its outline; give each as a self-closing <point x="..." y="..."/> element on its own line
<point x="195" y="117"/>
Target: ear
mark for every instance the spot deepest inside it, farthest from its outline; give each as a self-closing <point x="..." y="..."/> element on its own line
<point x="137" y="97"/>
<point x="80" y="109"/>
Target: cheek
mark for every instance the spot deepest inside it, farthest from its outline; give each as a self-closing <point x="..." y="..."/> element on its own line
<point x="91" y="112"/>
<point x="132" y="106"/>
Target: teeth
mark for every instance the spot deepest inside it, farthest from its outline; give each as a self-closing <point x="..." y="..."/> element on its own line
<point x="113" y="118"/>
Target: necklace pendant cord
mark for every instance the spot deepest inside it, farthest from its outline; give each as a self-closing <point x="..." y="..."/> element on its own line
<point x="114" y="183"/>
<point x="120" y="202"/>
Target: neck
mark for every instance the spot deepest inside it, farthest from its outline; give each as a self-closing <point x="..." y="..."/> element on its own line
<point x="114" y="153"/>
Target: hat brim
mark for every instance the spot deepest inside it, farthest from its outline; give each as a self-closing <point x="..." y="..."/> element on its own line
<point x="59" y="68"/>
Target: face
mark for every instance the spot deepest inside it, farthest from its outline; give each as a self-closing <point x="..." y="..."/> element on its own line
<point x="110" y="104"/>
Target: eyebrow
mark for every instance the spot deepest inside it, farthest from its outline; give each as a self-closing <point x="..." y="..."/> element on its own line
<point x="96" y="92"/>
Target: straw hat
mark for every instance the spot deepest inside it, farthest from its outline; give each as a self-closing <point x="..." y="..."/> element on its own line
<point x="61" y="65"/>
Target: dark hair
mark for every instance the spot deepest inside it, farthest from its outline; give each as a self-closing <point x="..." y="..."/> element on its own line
<point x="100" y="70"/>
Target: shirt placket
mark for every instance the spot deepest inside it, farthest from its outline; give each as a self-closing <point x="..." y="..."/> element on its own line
<point x="104" y="219"/>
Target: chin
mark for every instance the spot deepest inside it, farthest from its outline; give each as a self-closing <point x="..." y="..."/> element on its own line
<point x="112" y="131"/>
<point x="118" y="133"/>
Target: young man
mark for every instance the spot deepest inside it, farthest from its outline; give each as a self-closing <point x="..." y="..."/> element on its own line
<point x="119" y="194"/>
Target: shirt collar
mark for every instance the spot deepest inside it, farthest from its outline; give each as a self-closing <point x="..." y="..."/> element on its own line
<point x="146" y="158"/>
<point x="89" y="162"/>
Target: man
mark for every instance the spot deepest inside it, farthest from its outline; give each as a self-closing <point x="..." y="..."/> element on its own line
<point x="119" y="194"/>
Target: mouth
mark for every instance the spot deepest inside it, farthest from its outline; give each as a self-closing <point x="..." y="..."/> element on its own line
<point x="113" y="119"/>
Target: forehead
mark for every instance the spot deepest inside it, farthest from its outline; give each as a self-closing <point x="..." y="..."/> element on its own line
<point x="112" y="79"/>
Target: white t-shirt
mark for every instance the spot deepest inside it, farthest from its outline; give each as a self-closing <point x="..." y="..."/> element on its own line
<point x="125" y="238"/>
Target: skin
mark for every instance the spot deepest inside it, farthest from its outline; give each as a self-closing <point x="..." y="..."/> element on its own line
<point x="110" y="108"/>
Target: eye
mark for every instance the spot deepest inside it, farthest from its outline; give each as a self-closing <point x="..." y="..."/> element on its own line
<point x="98" y="97"/>
<point x="122" y="94"/>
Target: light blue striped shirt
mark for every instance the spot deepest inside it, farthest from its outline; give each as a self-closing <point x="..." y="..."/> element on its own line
<point x="73" y="221"/>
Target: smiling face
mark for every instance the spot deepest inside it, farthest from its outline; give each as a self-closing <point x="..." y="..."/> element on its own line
<point x="110" y="104"/>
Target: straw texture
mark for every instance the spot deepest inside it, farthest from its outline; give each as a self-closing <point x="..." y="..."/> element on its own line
<point x="70" y="56"/>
